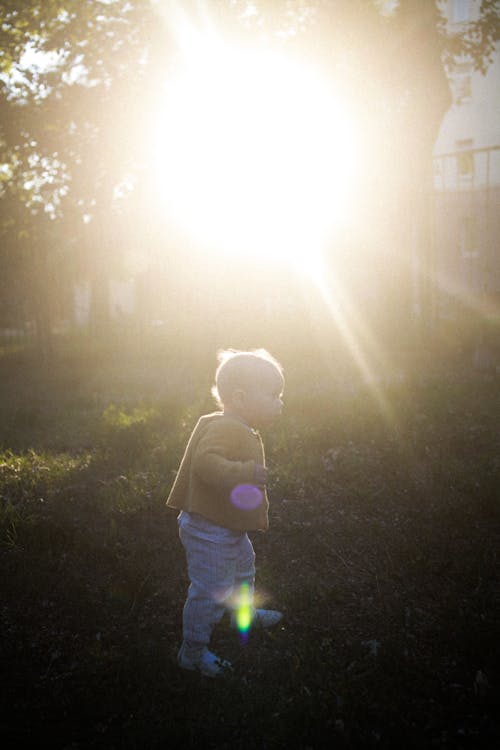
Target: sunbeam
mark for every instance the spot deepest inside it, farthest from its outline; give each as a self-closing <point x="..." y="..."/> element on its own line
<point x="356" y="334"/>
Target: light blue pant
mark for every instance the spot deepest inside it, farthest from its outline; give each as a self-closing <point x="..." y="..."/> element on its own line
<point x="219" y="561"/>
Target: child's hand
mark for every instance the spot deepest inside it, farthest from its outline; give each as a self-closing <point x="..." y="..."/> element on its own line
<point x="260" y="475"/>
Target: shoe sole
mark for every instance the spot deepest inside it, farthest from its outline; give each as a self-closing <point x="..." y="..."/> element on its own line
<point x="224" y="669"/>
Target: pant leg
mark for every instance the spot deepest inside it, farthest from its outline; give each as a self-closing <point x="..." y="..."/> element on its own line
<point x="245" y="568"/>
<point x="212" y="555"/>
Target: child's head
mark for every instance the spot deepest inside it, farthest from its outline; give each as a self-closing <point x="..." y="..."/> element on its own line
<point x="250" y="385"/>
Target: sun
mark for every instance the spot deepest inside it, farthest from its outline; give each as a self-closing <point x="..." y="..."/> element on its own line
<point x="252" y="153"/>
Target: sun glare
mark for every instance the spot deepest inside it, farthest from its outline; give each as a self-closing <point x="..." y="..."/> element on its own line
<point x="252" y="152"/>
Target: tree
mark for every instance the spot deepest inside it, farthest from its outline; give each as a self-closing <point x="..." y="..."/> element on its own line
<point x="67" y="130"/>
<point x="72" y="131"/>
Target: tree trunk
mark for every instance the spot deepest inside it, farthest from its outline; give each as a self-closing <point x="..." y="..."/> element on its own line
<point x="99" y="304"/>
<point x="42" y="304"/>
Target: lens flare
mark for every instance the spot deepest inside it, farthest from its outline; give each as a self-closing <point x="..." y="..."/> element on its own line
<point x="246" y="497"/>
<point x="244" y="610"/>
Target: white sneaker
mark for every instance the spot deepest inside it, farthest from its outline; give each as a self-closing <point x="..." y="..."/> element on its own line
<point x="263" y="618"/>
<point x="267" y="618"/>
<point x="207" y="663"/>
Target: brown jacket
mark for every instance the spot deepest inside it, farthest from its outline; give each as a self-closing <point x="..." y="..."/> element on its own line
<point x="221" y="454"/>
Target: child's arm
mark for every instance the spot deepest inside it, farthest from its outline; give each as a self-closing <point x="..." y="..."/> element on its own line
<point x="211" y="462"/>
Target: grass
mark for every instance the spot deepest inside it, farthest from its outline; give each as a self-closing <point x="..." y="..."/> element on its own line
<point x="382" y="553"/>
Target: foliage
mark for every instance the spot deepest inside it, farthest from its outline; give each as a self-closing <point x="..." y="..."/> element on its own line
<point x="128" y="435"/>
<point x="75" y="128"/>
<point x="65" y="143"/>
<point x="382" y="554"/>
<point x="478" y="40"/>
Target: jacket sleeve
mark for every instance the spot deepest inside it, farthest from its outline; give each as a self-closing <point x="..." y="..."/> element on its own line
<point x="212" y="461"/>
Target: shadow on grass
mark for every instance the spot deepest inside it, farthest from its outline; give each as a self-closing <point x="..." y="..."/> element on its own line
<point x="382" y="554"/>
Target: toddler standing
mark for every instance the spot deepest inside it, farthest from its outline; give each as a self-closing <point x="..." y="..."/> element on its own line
<point x="220" y="490"/>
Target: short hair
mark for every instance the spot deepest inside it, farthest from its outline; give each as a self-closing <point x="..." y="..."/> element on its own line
<point x="240" y="369"/>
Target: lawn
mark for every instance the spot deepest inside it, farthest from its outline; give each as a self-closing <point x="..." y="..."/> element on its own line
<point x="382" y="554"/>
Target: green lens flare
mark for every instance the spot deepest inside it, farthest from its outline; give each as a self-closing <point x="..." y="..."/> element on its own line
<point x="244" y="611"/>
<point x="244" y="618"/>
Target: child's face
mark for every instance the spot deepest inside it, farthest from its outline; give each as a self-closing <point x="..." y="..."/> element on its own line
<point x="262" y="403"/>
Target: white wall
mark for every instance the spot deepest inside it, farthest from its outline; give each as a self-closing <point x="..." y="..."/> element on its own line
<point x="474" y="122"/>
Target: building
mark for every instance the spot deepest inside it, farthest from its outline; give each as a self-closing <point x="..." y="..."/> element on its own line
<point x="467" y="182"/>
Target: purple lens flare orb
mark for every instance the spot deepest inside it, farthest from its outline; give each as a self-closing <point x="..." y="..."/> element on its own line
<point x="246" y="497"/>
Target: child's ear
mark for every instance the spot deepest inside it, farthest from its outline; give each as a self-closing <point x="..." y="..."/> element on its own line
<point x="238" y="396"/>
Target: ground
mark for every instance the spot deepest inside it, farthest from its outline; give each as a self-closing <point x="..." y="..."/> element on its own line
<point x="382" y="555"/>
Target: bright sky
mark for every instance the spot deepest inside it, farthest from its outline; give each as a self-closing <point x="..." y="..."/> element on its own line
<point x="252" y="151"/>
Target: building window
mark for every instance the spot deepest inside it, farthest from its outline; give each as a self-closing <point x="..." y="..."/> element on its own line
<point x="461" y="82"/>
<point x="465" y="164"/>
<point x="465" y="159"/>
<point x="460" y="11"/>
